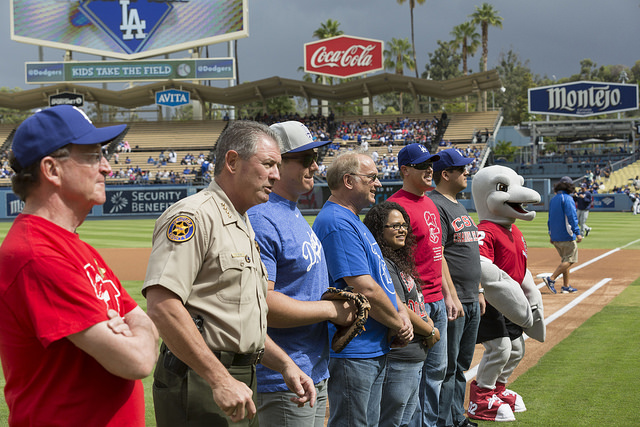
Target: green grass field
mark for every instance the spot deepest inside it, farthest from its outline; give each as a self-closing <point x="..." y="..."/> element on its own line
<point x="588" y="379"/>
<point x="610" y="230"/>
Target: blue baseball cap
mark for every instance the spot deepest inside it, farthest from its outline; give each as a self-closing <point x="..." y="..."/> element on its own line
<point x="51" y="129"/>
<point x="414" y="154"/>
<point x="451" y="158"/>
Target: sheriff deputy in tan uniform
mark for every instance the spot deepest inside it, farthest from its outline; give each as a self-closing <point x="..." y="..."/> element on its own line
<point x="206" y="288"/>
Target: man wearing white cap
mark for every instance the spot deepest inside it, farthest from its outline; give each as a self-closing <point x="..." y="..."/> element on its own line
<point x="74" y="345"/>
<point x="298" y="276"/>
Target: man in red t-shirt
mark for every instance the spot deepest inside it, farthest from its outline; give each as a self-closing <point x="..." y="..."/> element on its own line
<point x="417" y="175"/>
<point x="74" y="345"/>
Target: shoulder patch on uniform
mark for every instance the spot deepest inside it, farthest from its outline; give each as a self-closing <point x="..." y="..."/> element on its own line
<point x="181" y="229"/>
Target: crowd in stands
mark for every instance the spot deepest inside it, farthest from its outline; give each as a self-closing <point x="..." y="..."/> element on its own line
<point x="382" y="139"/>
<point x="629" y="189"/>
<point x="401" y="130"/>
<point x="6" y="171"/>
<point x="404" y="131"/>
<point x="319" y="126"/>
<point x="196" y="169"/>
<point x="592" y="180"/>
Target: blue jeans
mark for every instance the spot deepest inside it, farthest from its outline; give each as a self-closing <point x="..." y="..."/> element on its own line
<point x="400" y="392"/>
<point x="277" y="409"/>
<point x="433" y="370"/>
<point x="461" y="340"/>
<point x="355" y="390"/>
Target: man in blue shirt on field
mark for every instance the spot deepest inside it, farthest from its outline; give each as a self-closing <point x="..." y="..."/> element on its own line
<point x="354" y="259"/>
<point x="564" y="233"/>
<point x="297" y="278"/>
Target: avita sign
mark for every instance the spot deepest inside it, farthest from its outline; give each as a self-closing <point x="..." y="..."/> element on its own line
<point x="343" y="56"/>
<point x="583" y="99"/>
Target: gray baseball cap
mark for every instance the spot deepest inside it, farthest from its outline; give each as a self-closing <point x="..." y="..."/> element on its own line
<point x="295" y="137"/>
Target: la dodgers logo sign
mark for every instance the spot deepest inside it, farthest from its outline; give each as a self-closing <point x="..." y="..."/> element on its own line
<point x="130" y="24"/>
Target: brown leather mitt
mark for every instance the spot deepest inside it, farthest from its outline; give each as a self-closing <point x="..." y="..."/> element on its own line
<point x="344" y="334"/>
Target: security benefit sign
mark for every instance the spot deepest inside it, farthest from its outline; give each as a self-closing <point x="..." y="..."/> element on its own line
<point x="140" y="201"/>
<point x="172" y="97"/>
<point x="583" y="99"/>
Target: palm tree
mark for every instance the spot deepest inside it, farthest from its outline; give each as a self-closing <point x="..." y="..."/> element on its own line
<point x="399" y="55"/>
<point x="466" y="35"/>
<point x="485" y="16"/>
<point x="328" y="29"/>
<point x="412" y="5"/>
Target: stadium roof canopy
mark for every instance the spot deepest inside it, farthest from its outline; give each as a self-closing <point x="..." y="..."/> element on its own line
<point x="579" y="128"/>
<point x="261" y="90"/>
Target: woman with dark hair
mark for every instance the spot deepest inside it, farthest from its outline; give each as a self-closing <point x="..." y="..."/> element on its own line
<point x="390" y="225"/>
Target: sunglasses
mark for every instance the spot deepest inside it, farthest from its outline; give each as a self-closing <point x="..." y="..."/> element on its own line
<point x="422" y="166"/>
<point x="307" y="160"/>
<point x="372" y="177"/>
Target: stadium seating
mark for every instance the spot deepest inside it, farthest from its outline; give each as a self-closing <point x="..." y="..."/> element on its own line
<point x="463" y="126"/>
<point x="622" y="177"/>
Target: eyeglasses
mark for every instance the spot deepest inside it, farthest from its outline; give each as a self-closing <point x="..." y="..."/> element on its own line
<point x="422" y="166"/>
<point x="404" y="226"/>
<point x="93" y="158"/>
<point x="372" y="177"/>
<point x="307" y="160"/>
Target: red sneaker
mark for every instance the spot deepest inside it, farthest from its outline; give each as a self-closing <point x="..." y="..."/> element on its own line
<point x="484" y="404"/>
<point x="511" y="397"/>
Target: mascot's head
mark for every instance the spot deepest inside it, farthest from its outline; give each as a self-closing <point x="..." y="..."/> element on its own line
<point x="499" y="196"/>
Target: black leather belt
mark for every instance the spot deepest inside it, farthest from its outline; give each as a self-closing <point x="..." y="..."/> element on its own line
<point x="239" y="359"/>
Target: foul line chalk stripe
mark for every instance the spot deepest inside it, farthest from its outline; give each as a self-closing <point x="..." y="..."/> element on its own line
<point x="598" y="258"/>
<point x="472" y="372"/>
<point x="576" y="301"/>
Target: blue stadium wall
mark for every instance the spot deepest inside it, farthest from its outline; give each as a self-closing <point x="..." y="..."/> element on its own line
<point x="149" y="201"/>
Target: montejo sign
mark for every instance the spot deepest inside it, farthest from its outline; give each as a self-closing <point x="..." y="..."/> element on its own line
<point x="583" y="99"/>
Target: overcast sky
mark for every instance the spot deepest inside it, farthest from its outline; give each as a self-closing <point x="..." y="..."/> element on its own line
<point x="554" y="35"/>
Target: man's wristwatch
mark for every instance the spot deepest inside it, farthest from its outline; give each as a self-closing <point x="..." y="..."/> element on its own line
<point x="481" y="291"/>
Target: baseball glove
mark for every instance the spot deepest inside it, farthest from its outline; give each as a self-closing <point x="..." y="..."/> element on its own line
<point x="344" y="334"/>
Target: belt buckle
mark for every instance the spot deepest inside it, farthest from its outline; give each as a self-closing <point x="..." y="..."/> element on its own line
<point x="258" y="356"/>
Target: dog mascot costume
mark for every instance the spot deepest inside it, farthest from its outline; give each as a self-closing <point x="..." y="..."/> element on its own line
<point x="514" y="303"/>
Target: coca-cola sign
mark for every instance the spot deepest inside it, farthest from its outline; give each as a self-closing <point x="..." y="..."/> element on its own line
<point x="343" y="56"/>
